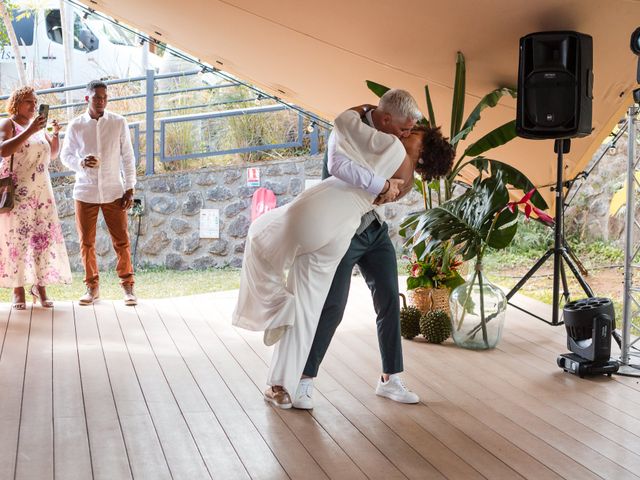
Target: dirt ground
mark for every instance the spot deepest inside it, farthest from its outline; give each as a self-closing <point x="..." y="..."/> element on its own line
<point x="604" y="281"/>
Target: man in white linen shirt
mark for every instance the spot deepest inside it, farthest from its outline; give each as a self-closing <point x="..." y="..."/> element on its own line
<point x="97" y="146"/>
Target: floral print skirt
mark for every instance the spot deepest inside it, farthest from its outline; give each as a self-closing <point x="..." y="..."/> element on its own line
<point x="32" y="249"/>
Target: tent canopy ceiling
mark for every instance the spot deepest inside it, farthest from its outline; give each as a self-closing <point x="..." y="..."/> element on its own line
<point x="318" y="56"/>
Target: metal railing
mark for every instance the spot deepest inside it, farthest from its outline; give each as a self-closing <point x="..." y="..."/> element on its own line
<point x="155" y="124"/>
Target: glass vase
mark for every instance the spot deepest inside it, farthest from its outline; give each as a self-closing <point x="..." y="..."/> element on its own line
<point x="478" y="310"/>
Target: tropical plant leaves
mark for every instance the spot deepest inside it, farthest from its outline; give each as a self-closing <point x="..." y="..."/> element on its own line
<point x="467" y="220"/>
<point x="504" y="230"/>
<point x="457" y="109"/>
<point x="377" y="88"/>
<point x="489" y="100"/>
<point x="493" y="139"/>
<point x="424" y="282"/>
<point x="511" y="176"/>
<point x="432" y="116"/>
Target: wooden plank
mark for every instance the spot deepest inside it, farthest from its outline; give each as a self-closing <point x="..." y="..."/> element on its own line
<point x="12" y="366"/>
<point x="35" y="439"/>
<point x="71" y="440"/>
<point x="217" y="451"/>
<point x="401" y="419"/>
<point x="343" y="439"/>
<point x="424" y="371"/>
<point x="562" y="392"/>
<point x="550" y="351"/>
<point x="106" y="440"/>
<point x="494" y="456"/>
<point x="146" y="456"/>
<point x="249" y="445"/>
<point x="218" y="344"/>
<point x="601" y="390"/>
<point x="397" y="451"/>
<point x="462" y="453"/>
<point x="601" y="455"/>
<point x="180" y="448"/>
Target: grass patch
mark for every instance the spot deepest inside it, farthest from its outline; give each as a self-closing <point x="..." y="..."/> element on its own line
<point x="150" y="283"/>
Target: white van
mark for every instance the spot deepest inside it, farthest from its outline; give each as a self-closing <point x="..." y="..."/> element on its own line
<point x="100" y="49"/>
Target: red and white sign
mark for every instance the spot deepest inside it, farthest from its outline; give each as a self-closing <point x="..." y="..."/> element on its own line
<point x="253" y="177"/>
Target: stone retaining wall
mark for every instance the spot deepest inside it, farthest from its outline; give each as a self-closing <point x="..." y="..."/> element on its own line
<point x="169" y="228"/>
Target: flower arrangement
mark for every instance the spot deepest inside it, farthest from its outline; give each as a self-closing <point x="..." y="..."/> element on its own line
<point x="436" y="269"/>
<point x="482" y="217"/>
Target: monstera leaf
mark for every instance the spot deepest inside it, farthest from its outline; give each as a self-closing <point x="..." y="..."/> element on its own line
<point x="511" y="176"/>
<point x="475" y="219"/>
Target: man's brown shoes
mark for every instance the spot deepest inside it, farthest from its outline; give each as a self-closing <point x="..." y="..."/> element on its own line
<point x="130" y="298"/>
<point x="91" y="295"/>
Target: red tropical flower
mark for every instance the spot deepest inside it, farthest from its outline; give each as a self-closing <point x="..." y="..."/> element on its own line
<point x="528" y="208"/>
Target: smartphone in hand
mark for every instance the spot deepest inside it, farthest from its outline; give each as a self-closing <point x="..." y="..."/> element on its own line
<point x="43" y="111"/>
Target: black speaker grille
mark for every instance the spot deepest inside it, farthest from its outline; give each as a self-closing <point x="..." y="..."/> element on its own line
<point x="554" y="85"/>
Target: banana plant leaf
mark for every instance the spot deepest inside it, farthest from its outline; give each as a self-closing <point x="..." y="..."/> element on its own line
<point x="376" y="88"/>
<point x="457" y="110"/>
<point x="489" y="100"/>
<point x="493" y="139"/>
<point x="511" y="176"/>
<point x="432" y="117"/>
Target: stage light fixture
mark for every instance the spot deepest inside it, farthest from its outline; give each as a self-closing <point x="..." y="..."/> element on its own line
<point x="589" y="323"/>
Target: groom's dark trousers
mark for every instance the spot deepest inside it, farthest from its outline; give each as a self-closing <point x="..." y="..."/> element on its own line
<point x="373" y="252"/>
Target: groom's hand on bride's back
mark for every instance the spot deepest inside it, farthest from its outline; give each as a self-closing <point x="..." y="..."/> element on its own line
<point x="363" y="109"/>
<point x="390" y="193"/>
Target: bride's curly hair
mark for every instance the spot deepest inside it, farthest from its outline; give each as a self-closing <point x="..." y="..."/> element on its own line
<point x="437" y="154"/>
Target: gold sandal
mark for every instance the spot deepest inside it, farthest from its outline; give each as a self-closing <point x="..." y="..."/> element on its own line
<point x="17" y="304"/>
<point x="35" y="292"/>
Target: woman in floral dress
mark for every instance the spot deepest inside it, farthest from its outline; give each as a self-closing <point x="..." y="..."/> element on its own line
<point x="32" y="249"/>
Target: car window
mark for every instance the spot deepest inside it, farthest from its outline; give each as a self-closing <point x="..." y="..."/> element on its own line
<point x="83" y="38"/>
<point x="23" y="26"/>
<point x="113" y="33"/>
<point x="53" y="24"/>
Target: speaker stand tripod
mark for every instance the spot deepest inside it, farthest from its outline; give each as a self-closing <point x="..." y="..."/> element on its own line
<point x="560" y="251"/>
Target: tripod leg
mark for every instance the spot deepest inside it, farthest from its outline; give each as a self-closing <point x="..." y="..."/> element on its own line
<point x="576" y="260"/>
<point x="557" y="264"/>
<point x="529" y="274"/>
<point x="583" y="283"/>
<point x="565" y="285"/>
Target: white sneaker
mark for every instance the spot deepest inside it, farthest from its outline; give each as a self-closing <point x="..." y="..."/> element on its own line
<point x="396" y="390"/>
<point x="304" y="395"/>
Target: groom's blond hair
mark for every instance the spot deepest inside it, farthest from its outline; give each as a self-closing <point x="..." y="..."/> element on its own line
<point x="399" y="103"/>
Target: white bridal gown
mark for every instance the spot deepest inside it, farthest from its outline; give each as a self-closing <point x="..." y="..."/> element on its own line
<point x="292" y="252"/>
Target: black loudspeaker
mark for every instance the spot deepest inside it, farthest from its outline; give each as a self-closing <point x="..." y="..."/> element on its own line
<point x="555" y="83"/>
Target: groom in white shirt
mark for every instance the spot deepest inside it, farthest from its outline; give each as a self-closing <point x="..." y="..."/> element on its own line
<point x="97" y="146"/>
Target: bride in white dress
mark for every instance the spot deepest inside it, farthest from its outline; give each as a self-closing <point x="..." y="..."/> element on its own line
<point x="292" y="252"/>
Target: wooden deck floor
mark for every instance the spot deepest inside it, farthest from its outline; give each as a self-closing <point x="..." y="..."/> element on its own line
<point x="170" y="390"/>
